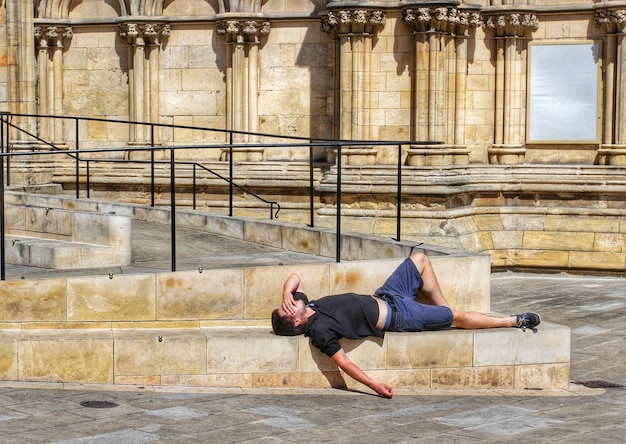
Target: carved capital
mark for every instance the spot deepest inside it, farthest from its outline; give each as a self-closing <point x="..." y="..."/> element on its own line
<point x="246" y="31"/>
<point x="354" y="22"/>
<point x="448" y="20"/>
<point x="52" y="36"/>
<point x="614" y="20"/>
<point x="130" y="32"/>
<point x="512" y="25"/>
<point x="147" y="33"/>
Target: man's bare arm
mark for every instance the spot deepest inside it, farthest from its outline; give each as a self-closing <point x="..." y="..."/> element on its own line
<point x="292" y="284"/>
<point x="344" y="363"/>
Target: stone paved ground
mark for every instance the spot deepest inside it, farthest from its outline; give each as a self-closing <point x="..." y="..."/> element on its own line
<point x="594" y="307"/>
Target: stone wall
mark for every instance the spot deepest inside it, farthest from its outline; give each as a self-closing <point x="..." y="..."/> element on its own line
<point x="449" y="72"/>
<point x="414" y="71"/>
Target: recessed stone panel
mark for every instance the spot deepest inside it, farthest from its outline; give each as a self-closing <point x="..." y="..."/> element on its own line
<point x="8" y="355"/>
<point x="542" y="376"/>
<point x="248" y="351"/>
<point x="159" y="352"/>
<point x="66" y="355"/>
<point x="31" y="300"/>
<point x="449" y="348"/>
<point x="513" y="346"/>
<point x="120" y="298"/>
<point x="473" y="377"/>
<point x="212" y="294"/>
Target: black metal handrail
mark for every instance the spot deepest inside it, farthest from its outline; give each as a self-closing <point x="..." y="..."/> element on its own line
<point x="292" y="142"/>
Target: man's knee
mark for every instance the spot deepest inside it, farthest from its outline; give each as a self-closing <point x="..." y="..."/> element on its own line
<point x="420" y="260"/>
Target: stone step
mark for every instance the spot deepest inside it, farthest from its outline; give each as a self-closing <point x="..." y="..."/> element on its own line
<point x="253" y="357"/>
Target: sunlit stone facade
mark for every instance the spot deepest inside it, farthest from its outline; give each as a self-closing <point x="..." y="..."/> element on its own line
<point x="460" y="73"/>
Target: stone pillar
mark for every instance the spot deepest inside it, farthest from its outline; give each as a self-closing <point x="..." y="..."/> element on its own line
<point x="49" y="42"/>
<point x="242" y="82"/>
<point x="21" y="70"/>
<point x="612" y="151"/>
<point x="511" y="31"/>
<point x="143" y="40"/>
<point x="440" y="79"/>
<point x="355" y="30"/>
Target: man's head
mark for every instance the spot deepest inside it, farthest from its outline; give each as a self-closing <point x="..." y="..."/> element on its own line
<point x="285" y="324"/>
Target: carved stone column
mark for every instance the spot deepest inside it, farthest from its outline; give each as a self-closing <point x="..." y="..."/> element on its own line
<point x="439" y="83"/>
<point x="21" y="70"/>
<point x="143" y="40"/>
<point x="612" y="151"/>
<point x="49" y="41"/>
<point x="242" y="81"/>
<point x="354" y="30"/>
<point x="511" y="30"/>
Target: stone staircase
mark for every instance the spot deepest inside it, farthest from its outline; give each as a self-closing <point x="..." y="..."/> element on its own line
<point x="211" y="327"/>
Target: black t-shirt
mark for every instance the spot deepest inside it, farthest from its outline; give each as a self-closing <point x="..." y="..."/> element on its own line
<point x="349" y="315"/>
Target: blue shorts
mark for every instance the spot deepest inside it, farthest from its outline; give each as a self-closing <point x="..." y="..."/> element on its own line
<point x="399" y="291"/>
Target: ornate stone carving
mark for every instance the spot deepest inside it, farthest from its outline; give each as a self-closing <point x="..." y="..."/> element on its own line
<point x="441" y="19"/>
<point x="243" y="30"/>
<point x="151" y="33"/>
<point x="354" y="22"/>
<point x="512" y="25"/>
<point x="613" y="20"/>
<point x="50" y="36"/>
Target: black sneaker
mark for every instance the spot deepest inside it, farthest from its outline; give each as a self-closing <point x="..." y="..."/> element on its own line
<point x="528" y="320"/>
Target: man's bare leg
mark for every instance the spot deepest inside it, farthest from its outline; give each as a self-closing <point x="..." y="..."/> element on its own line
<point x="474" y="320"/>
<point x="430" y="293"/>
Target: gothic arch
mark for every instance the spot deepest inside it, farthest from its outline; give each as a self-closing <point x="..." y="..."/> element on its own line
<point x="63" y="8"/>
<point x="156" y="7"/>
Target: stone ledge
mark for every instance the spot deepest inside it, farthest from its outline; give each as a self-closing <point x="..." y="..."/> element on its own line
<point x="48" y="237"/>
<point x="253" y="357"/>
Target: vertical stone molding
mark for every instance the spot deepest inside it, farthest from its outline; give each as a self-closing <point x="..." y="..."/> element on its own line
<point x="440" y="82"/>
<point x="243" y="37"/>
<point x="355" y="30"/>
<point x="511" y="32"/>
<point x="21" y="69"/>
<point x="49" y="41"/>
<point x="612" y="151"/>
<point x="144" y="42"/>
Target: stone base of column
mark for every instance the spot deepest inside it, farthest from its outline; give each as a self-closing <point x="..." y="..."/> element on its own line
<point x="23" y="145"/>
<point x="437" y="155"/>
<point x="144" y="155"/>
<point x="612" y="154"/>
<point x="354" y="155"/>
<point x="244" y="154"/>
<point x="512" y="154"/>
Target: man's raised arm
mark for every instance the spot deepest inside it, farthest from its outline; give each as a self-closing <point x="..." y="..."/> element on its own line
<point x="291" y="285"/>
<point x="344" y="363"/>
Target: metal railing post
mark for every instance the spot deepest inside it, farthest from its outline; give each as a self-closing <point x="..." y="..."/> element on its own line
<point x="193" y="185"/>
<point x="152" y="187"/>
<point x="2" y="252"/>
<point x="399" y="195"/>
<point x="5" y="147"/>
<point x="87" y="181"/>
<point x="230" y="177"/>
<point x="311" y="190"/>
<point x="76" y="131"/>
<point x="338" y="222"/>
<point x="173" y="208"/>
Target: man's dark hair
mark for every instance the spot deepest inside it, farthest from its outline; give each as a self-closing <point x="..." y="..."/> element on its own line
<point x="283" y="326"/>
